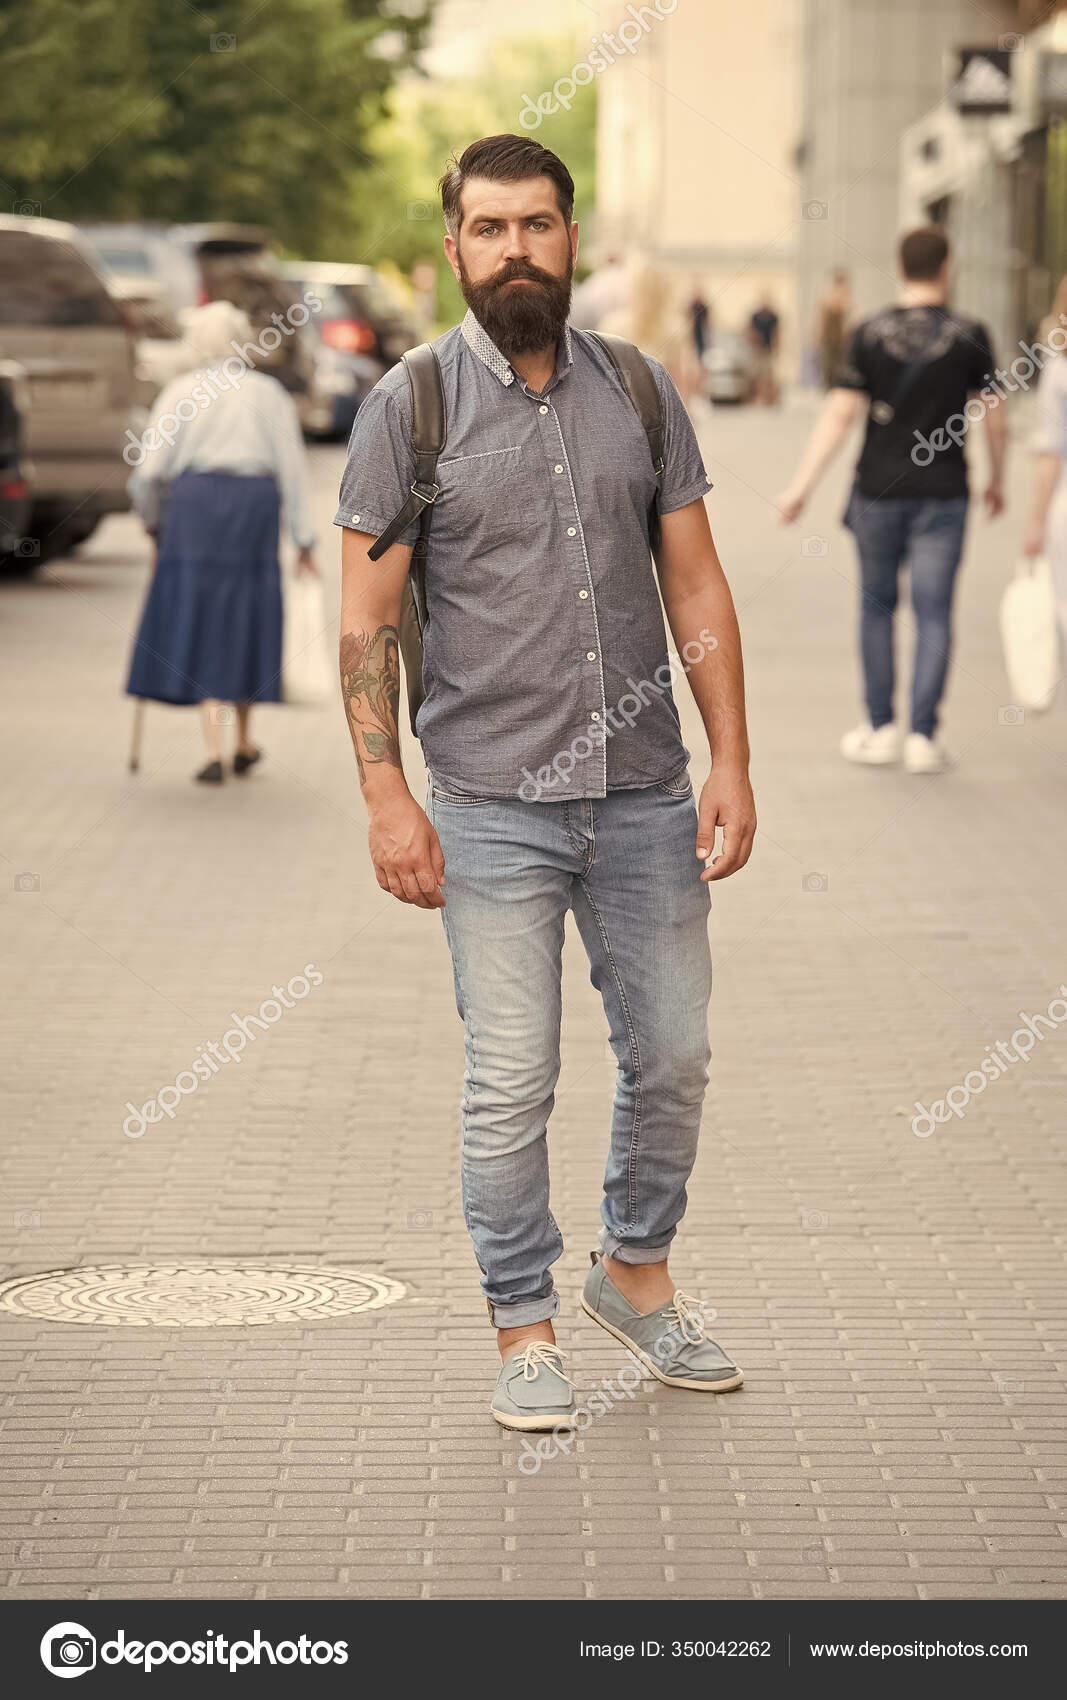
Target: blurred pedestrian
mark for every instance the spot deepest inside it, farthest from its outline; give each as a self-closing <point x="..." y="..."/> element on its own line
<point x="916" y="363"/>
<point x="651" y="319"/>
<point x="1046" y="531"/>
<point x="222" y="457"/>
<point x="763" y="335"/>
<point x="699" y="321"/>
<point x="831" y="327"/>
<point x="605" y="291"/>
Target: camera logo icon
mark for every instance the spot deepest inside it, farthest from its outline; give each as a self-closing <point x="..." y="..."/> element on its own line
<point x="68" y="1649"/>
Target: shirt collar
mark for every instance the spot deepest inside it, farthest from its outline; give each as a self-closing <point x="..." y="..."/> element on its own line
<point x="479" y="342"/>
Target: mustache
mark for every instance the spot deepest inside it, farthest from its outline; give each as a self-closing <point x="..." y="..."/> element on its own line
<point x="516" y="269"/>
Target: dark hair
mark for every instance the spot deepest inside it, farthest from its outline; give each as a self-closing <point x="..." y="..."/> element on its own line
<point x="922" y="253"/>
<point x="503" y="159"/>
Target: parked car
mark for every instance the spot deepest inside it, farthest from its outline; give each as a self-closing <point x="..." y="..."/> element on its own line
<point x="162" y="269"/>
<point x="729" y="373"/>
<point x="237" y="263"/>
<point x="60" y="323"/>
<point x="14" y="490"/>
<point x="359" y="333"/>
<point x="146" y="265"/>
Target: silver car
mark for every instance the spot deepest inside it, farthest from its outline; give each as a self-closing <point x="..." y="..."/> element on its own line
<point x="62" y="326"/>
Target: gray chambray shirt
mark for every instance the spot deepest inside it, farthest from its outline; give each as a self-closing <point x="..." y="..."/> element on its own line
<point x="545" y="664"/>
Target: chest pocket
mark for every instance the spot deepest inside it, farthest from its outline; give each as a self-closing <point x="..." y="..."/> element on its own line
<point x="489" y="499"/>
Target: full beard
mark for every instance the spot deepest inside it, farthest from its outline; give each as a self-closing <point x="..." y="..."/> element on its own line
<point x="520" y="319"/>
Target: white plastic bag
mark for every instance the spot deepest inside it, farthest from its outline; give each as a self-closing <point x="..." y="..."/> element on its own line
<point x="1030" y="634"/>
<point x="307" y="674"/>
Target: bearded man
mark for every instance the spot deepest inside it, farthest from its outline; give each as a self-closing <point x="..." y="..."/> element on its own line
<point x="545" y="793"/>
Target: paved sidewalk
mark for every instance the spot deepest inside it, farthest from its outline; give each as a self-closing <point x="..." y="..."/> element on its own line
<point x="897" y="1302"/>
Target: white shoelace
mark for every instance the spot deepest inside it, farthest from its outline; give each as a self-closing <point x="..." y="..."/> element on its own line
<point x="542" y="1352"/>
<point x="684" y="1312"/>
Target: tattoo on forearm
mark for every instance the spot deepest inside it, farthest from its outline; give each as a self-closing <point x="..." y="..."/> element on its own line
<point x="370" y="680"/>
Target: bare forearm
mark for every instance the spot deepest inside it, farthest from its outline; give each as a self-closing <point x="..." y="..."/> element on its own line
<point x="704" y="619"/>
<point x="828" y="435"/>
<point x="370" y="682"/>
<point x="370" y="660"/>
<point x="1047" y="469"/>
<point x="996" y="427"/>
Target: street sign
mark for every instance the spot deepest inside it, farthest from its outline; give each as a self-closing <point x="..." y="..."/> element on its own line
<point x="983" y="83"/>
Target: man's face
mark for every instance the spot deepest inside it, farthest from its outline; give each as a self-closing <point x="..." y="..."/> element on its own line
<point x="514" y="259"/>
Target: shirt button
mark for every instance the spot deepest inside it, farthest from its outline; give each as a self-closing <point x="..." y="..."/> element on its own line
<point x="542" y="409"/>
<point x="355" y="519"/>
<point x="557" y="469"/>
<point x="590" y="655"/>
<point x="583" y="594"/>
<point x="572" y="531"/>
<point x="594" y="715"/>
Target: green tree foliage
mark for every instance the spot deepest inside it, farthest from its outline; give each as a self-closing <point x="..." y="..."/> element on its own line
<point x="255" y="110"/>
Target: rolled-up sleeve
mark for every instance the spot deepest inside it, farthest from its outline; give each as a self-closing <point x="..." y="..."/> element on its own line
<point x="380" y="468"/>
<point x="685" y="478"/>
<point x="1050" y="437"/>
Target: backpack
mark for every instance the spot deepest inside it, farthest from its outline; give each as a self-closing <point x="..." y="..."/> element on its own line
<point x="429" y="430"/>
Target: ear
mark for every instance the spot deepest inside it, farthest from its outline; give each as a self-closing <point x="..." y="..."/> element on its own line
<point x="452" y="255"/>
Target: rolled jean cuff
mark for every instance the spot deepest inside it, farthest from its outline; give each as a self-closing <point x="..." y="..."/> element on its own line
<point x="612" y="1246"/>
<point x="524" y="1314"/>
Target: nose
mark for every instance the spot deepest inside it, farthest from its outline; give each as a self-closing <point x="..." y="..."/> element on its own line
<point x="517" y="244"/>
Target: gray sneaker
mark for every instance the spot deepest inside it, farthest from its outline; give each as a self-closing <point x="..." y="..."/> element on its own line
<point x="670" y="1342"/>
<point x="532" y="1391"/>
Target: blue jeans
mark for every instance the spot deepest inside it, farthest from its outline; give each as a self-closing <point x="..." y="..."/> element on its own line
<point x="927" y="538"/>
<point x="627" y="865"/>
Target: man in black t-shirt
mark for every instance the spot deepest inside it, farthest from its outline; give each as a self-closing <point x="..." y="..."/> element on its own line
<point x="917" y="363"/>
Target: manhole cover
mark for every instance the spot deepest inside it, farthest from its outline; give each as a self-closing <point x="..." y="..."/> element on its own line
<point x="195" y="1295"/>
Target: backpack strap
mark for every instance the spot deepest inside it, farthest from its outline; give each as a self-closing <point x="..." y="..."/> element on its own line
<point x="636" y="378"/>
<point x="428" y="433"/>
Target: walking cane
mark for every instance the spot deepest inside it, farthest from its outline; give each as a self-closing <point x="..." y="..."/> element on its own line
<point x="138" y="733"/>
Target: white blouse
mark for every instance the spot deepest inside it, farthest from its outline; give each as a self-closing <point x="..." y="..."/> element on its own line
<point x="207" y="421"/>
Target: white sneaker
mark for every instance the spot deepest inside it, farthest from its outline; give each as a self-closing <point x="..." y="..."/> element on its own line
<point x="878" y="749"/>
<point x="925" y="755"/>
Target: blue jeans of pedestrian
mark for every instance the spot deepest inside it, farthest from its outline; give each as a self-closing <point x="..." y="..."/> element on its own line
<point x="927" y="538"/>
<point x="627" y="866"/>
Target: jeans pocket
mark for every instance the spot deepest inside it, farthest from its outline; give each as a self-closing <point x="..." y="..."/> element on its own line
<point x="459" y="799"/>
<point x="680" y="786"/>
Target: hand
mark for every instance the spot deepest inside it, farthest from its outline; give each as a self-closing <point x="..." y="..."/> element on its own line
<point x="1034" y="539"/>
<point x="726" y="801"/>
<point x="305" y="563"/>
<point x="405" y="849"/>
<point x="994" y="499"/>
<point x="790" y="505"/>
